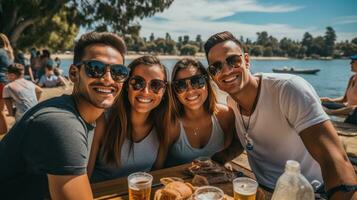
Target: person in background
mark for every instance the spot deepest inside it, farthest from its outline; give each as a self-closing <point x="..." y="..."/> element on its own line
<point x="346" y="104"/>
<point x="35" y="63"/>
<point x="6" y="58"/>
<point x="49" y="79"/>
<point x="19" y="92"/>
<point x="45" y="60"/>
<point x="130" y="137"/>
<point x="58" y="62"/>
<point x="20" y="58"/>
<point x="204" y="127"/>
<point x="45" y="154"/>
<point x="279" y="117"/>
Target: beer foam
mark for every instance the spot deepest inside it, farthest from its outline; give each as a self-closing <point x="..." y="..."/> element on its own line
<point x="137" y="183"/>
<point x="245" y="189"/>
<point x="208" y="196"/>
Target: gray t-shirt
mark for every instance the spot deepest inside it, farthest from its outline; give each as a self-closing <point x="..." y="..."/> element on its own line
<point x="51" y="138"/>
<point x="23" y="92"/>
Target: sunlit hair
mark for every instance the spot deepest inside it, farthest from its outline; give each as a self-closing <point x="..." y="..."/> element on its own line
<point x="91" y="38"/>
<point x="16" y="68"/>
<point x="119" y="124"/>
<point x="210" y="104"/>
<point x="5" y="43"/>
<point x="221" y="37"/>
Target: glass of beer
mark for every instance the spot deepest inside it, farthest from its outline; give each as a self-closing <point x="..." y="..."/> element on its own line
<point x="139" y="186"/>
<point x="208" y="193"/>
<point x="244" y="188"/>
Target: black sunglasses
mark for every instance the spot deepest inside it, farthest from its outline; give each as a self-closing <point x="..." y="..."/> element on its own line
<point x="232" y="61"/>
<point x="96" y="69"/>
<point x="197" y="82"/>
<point x="139" y="83"/>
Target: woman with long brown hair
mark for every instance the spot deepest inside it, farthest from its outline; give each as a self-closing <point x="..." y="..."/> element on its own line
<point x="136" y="132"/>
<point x="204" y="126"/>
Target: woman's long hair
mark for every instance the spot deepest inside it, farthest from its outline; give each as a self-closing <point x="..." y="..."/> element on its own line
<point x="5" y="43"/>
<point x="119" y="124"/>
<point x="210" y="104"/>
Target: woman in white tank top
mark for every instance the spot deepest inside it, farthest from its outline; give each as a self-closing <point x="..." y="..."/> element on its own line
<point x="128" y="139"/>
<point x="204" y="127"/>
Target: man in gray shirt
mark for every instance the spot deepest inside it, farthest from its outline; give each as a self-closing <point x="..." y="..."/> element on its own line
<point x="47" y="151"/>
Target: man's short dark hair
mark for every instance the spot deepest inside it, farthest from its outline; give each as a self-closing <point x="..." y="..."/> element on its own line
<point x="16" y="68"/>
<point x="91" y="38"/>
<point x="218" y="38"/>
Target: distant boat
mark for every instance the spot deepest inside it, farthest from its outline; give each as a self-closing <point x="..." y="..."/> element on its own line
<point x="292" y="70"/>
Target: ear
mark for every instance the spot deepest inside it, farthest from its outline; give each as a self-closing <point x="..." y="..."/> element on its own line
<point x="74" y="73"/>
<point x="247" y="60"/>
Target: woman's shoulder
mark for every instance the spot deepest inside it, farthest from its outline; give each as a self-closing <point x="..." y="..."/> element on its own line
<point x="225" y="115"/>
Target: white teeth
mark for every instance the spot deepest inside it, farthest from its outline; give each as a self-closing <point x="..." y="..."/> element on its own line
<point x="192" y="98"/>
<point x="103" y="90"/>
<point x="230" y="79"/>
<point x="144" y="100"/>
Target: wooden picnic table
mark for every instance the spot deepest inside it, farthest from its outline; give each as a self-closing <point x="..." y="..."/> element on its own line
<point x="118" y="188"/>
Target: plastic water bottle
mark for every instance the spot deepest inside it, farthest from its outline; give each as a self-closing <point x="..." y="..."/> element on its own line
<point x="292" y="185"/>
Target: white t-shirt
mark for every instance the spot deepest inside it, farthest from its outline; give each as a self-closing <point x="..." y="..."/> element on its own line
<point x="287" y="105"/>
<point x="23" y="92"/>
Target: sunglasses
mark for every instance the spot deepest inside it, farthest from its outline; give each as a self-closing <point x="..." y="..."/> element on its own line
<point x="232" y="61"/>
<point x="196" y="82"/>
<point x="96" y="69"/>
<point x="139" y="83"/>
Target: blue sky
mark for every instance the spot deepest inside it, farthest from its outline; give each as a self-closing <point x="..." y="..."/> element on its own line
<point x="280" y="18"/>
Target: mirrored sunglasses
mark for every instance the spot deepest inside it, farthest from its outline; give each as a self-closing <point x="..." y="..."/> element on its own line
<point x="96" y="69"/>
<point x="139" y="83"/>
<point x="196" y="82"/>
<point x="231" y="61"/>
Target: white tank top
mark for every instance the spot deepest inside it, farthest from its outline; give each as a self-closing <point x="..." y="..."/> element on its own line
<point x="182" y="152"/>
<point x="141" y="158"/>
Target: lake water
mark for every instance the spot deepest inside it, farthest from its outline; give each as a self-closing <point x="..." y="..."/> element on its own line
<point x="331" y="81"/>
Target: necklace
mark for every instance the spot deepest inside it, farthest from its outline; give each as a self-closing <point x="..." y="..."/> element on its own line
<point x="248" y="140"/>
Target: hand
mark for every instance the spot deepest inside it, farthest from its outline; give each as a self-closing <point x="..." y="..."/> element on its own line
<point x="325" y="99"/>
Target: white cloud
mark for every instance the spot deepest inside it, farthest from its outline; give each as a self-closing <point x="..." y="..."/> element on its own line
<point x="187" y="17"/>
<point x="192" y="17"/>
<point x="346" y="20"/>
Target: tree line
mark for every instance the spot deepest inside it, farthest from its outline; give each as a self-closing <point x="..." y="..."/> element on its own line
<point x="265" y="45"/>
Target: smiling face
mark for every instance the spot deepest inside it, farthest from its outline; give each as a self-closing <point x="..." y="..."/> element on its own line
<point x="192" y="98"/>
<point x="144" y="100"/>
<point x="231" y="79"/>
<point x="100" y="92"/>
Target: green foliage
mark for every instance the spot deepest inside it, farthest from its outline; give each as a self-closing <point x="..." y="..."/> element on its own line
<point x="21" y="18"/>
<point x="189" y="49"/>
<point x="55" y="33"/>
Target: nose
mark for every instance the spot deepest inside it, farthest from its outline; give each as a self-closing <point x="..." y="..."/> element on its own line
<point x="189" y="86"/>
<point x="107" y="76"/>
<point x="145" y="89"/>
<point x="226" y="69"/>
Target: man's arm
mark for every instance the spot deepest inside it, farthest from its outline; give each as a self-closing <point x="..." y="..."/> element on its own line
<point x="342" y="111"/>
<point x="322" y="142"/>
<point x="69" y="187"/>
<point x="8" y="103"/>
<point x="38" y="91"/>
<point x="231" y="152"/>
<point x="3" y="124"/>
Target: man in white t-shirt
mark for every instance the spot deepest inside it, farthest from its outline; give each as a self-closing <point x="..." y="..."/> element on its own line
<point x="279" y="118"/>
<point x="21" y="92"/>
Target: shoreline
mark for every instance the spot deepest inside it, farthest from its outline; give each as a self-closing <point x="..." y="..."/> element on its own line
<point x="130" y="56"/>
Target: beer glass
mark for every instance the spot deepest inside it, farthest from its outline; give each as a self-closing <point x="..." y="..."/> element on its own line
<point x="139" y="186"/>
<point x="208" y="193"/>
<point x="244" y="188"/>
